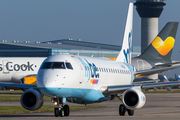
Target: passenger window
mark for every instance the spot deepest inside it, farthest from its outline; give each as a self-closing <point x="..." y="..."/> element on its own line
<point x="69" y="66"/>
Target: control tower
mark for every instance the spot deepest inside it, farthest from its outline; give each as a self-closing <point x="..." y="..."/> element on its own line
<point x="149" y="11"/>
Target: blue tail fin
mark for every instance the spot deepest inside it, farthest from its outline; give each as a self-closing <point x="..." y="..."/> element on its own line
<point x="125" y="53"/>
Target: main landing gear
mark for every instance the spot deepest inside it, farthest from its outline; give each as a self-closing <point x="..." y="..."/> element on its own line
<point x="123" y="109"/>
<point x="60" y="109"/>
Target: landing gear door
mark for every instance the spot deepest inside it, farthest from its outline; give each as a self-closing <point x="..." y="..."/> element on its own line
<point x="5" y="70"/>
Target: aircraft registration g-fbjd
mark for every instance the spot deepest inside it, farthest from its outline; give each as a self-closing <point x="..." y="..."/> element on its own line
<point x="85" y="80"/>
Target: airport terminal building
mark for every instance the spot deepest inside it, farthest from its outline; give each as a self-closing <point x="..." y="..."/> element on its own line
<point x="64" y="46"/>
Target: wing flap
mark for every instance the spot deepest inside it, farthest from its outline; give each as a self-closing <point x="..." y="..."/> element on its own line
<point x="160" y="84"/>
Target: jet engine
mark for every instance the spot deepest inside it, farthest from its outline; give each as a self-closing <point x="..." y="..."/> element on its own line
<point x="32" y="99"/>
<point x="133" y="99"/>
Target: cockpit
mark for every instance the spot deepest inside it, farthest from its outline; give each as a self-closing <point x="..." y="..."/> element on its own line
<point x="56" y="65"/>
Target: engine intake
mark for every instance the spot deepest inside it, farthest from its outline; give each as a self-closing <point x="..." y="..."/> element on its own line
<point x="32" y="99"/>
<point x="133" y="99"/>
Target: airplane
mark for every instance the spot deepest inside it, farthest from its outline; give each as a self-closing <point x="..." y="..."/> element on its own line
<point x="158" y="53"/>
<point x="24" y="69"/>
<point x="86" y="80"/>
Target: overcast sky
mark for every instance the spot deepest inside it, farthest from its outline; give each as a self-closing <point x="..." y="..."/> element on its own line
<point x="100" y="21"/>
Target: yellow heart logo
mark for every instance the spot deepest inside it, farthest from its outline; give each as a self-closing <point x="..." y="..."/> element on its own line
<point x="163" y="47"/>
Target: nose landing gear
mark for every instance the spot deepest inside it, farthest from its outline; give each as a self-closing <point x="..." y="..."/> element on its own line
<point x="60" y="109"/>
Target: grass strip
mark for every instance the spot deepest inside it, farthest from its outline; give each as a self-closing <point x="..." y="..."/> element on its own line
<point x="163" y="91"/>
<point x="19" y="109"/>
<point x="17" y="98"/>
<point x="11" y="92"/>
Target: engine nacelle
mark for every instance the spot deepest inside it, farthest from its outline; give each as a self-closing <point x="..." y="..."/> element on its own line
<point x="32" y="99"/>
<point x="133" y="99"/>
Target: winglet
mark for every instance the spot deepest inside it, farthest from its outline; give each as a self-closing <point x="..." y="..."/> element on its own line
<point x="125" y="53"/>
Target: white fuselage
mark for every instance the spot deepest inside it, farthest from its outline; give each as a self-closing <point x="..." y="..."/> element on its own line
<point x="87" y="73"/>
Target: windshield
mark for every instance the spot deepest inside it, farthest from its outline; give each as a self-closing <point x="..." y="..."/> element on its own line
<point x="56" y="65"/>
<point x="69" y="66"/>
<point x="53" y="65"/>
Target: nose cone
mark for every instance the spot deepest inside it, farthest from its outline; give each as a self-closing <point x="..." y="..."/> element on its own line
<point x="50" y="84"/>
<point x="47" y="78"/>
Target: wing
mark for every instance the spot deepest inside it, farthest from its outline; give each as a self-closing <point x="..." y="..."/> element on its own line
<point x="117" y="89"/>
<point x="17" y="85"/>
<point x="112" y="90"/>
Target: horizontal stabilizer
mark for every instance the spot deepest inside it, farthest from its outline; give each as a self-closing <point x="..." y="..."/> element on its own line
<point x="148" y="72"/>
<point x="167" y="64"/>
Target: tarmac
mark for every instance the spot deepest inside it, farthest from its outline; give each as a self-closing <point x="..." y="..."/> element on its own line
<point x="158" y="107"/>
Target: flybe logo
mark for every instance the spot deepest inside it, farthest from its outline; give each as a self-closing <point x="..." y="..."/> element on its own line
<point x="90" y="71"/>
<point x="126" y="51"/>
<point x="10" y="66"/>
<point x="163" y="47"/>
<point x="93" y="73"/>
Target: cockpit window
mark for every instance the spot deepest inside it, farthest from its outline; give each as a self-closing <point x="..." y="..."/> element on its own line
<point x="53" y="65"/>
<point x="46" y="65"/>
<point x="69" y="66"/>
<point x="58" y="65"/>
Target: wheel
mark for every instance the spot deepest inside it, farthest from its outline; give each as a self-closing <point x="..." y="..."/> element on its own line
<point x="130" y="112"/>
<point x="61" y="112"/>
<point x="122" y="110"/>
<point x="56" y="112"/>
<point x="66" y="110"/>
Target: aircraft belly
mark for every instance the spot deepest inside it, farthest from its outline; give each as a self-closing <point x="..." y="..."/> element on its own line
<point x="88" y="95"/>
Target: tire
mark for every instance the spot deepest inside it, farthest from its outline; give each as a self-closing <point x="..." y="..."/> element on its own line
<point x="61" y="112"/>
<point x="66" y="110"/>
<point x="56" y="112"/>
<point x="130" y="112"/>
<point x="122" y="110"/>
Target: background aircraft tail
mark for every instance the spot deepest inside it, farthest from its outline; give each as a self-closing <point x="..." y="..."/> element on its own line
<point x="177" y="77"/>
<point x="125" y="53"/>
<point x="166" y="80"/>
<point x="162" y="46"/>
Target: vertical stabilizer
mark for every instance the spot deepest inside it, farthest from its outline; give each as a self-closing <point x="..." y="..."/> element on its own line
<point x="125" y="53"/>
<point x="177" y="77"/>
<point x="166" y="80"/>
<point x="162" y="46"/>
